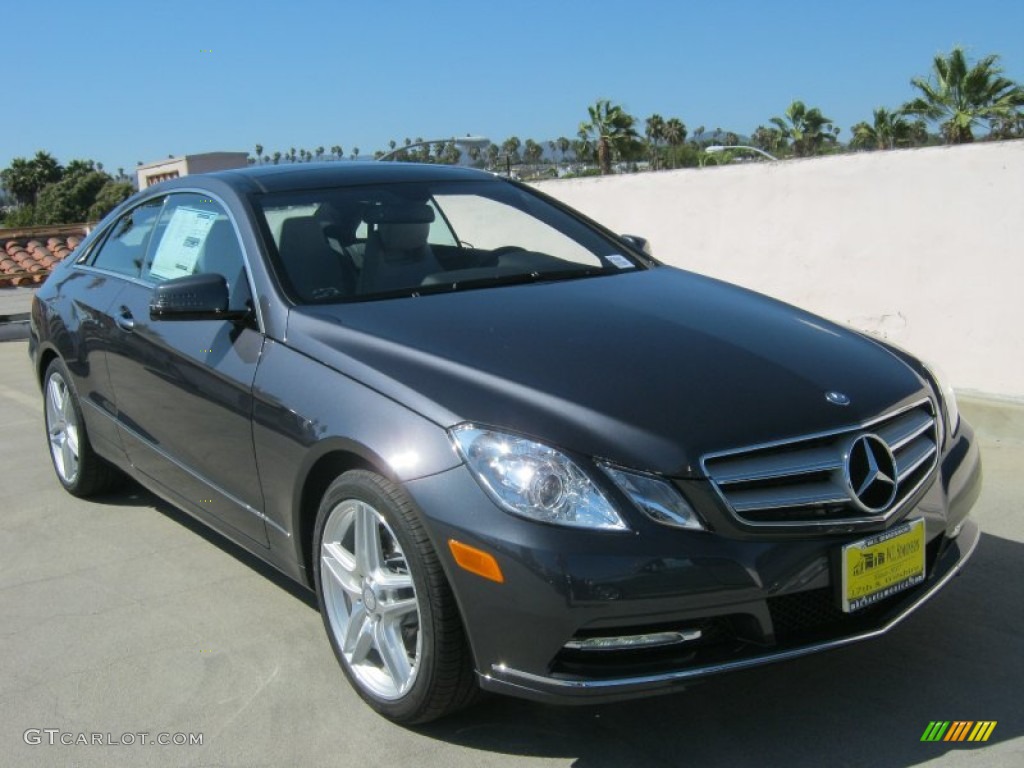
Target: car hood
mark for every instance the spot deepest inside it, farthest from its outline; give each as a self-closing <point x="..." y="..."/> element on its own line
<point x="648" y="369"/>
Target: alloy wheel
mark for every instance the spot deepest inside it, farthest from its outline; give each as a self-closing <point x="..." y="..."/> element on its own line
<point x="370" y="598"/>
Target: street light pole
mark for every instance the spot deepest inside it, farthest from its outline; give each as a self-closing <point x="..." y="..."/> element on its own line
<point x="720" y="148"/>
<point x="462" y="141"/>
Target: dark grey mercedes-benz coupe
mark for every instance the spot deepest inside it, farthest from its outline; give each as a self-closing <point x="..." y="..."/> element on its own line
<point x="506" y="447"/>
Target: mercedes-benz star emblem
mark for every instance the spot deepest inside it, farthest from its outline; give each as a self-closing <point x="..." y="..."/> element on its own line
<point x="871" y="473"/>
<point x="837" y="398"/>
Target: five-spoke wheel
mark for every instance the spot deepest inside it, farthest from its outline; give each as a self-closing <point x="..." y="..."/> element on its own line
<point x="386" y="603"/>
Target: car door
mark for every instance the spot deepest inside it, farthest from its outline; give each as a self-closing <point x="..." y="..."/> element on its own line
<point x="183" y="389"/>
<point x="92" y="286"/>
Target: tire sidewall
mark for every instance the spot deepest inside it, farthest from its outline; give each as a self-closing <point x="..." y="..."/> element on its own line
<point x="57" y="366"/>
<point x="366" y="487"/>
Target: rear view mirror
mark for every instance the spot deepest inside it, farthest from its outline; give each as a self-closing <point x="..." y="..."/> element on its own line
<point x="193" y="297"/>
<point x="640" y="243"/>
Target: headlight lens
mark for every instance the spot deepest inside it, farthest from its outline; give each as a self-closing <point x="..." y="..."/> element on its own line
<point x="534" y="480"/>
<point x="656" y="498"/>
<point x="948" y="397"/>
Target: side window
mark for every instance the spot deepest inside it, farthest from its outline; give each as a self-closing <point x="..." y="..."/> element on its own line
<point x="125" y="247"/>
<point x="440" y="232"/>
<point x="194" y="236"/>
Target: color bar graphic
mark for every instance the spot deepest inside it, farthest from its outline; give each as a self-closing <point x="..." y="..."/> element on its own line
<point x="959" y="730"/>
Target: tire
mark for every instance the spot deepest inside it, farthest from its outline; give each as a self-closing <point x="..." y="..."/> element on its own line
<point x="386" y="604"/>
<point x="78" y="467"/>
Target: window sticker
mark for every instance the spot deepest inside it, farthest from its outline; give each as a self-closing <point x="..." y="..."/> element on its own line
<point x="179" y="248"/>
<point x="619" y="261"/>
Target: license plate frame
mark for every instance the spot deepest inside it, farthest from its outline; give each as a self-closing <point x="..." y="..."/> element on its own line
<point x="881" y="565"/>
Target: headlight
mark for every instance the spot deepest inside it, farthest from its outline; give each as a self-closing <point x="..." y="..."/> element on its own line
<point x="655" y="498"/>
<point x="534" y="480"/>
<point x="948" y="397"/>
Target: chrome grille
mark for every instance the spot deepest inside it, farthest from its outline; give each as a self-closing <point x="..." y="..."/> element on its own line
<point x="804" y="481"/>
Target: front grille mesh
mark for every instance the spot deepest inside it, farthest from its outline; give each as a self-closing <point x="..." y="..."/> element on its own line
<point x="801" y="482"/>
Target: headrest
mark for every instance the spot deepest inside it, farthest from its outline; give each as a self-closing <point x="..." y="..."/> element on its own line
<point x="400" y="213"/>
<point x="403" y="237"/>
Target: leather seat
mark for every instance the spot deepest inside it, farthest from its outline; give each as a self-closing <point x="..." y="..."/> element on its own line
<point x="397" y="254"/>
<point x="314" y="269"/>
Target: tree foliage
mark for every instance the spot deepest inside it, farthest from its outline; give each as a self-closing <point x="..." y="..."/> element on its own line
<point x="609" y="134"/>
<point x="49" y="193"/>
<point x="888" y="130"/>
<point x="805" y="130"/>
<point x="959" y="97"/>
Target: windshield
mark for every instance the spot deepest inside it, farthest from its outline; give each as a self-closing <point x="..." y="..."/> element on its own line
<point x="369" y="242"/>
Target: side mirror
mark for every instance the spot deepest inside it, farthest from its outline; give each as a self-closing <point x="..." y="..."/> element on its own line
<point x="193" y="297"/>
<point x="640" y="243"/>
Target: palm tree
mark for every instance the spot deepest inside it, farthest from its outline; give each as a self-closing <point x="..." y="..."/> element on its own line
<point x="336" y="151"/>
<point x="768" y="139"/>
<point x="564" y="145"/>
<point x="888" y="130"/>
<point x="959" y="97"/>
<point x="510" y="147"/>
<point x="277" y="158"/>
<point x="674" y="131"/>
<point x="355" y="152"/>
<point x="533" y="152"/>
<point x="654" y="130"/>
<point x="259" y="151"/>
<point x="609" y="132"/>
<point x="320" y="153"/>
<point x="807" y="129"/>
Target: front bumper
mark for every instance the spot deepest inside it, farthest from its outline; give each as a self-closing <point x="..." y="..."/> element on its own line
<point x="756" y="601"/>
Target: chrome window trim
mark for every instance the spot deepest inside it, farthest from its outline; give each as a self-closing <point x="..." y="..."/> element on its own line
<point x="102" y="236"/>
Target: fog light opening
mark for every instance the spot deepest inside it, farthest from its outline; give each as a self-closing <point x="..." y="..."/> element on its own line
<point x="628" y="642"/>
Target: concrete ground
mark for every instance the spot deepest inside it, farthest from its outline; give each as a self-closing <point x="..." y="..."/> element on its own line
<point x="121" y="615"/>
<point x="16" y="301"/>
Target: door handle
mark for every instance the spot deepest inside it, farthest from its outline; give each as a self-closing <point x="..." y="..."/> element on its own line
<point x="124" y="320"/>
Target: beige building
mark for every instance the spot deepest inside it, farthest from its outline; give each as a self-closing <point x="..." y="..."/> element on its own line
<point x="172" y="168"/>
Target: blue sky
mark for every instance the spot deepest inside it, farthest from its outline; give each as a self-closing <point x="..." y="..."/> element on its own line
<point x="121" y="82"/>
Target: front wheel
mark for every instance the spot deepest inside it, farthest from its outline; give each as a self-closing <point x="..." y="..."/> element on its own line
<point x="386" y="604"/>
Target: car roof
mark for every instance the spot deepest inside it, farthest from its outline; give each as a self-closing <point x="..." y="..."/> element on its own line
<point x="295" y="176"/>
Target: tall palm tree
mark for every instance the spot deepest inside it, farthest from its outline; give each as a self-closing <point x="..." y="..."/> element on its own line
<point x="807" y="129"/>
<point x="959" y="97"/>
<point x="533" y="152"/>
<point x="654" y="130"/>
<point x="259" y="151"/>
<point x="337" y="152"/>
<point x="889" y="129"/>
<point x="609" y="132"/>
<point x="510" y="147"/>
<point x="674" y="131"/>
<point x="564" y="145"/>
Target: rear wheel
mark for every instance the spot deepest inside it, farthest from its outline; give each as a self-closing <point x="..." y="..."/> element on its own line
<point x="80" y="470"/>
<point x="386" y="604"/>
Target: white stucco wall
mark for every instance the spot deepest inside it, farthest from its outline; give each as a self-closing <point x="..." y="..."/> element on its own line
<point x="924" y="247"/>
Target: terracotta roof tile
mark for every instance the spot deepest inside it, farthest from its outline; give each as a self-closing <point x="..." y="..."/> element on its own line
<point x="24" y="261"/>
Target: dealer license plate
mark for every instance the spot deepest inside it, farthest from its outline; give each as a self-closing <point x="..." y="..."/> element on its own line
<point x="882" y="565"/>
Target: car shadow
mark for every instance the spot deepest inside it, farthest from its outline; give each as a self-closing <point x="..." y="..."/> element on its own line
<point x="958" y="658"/>
<point x="131" y="494"/>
